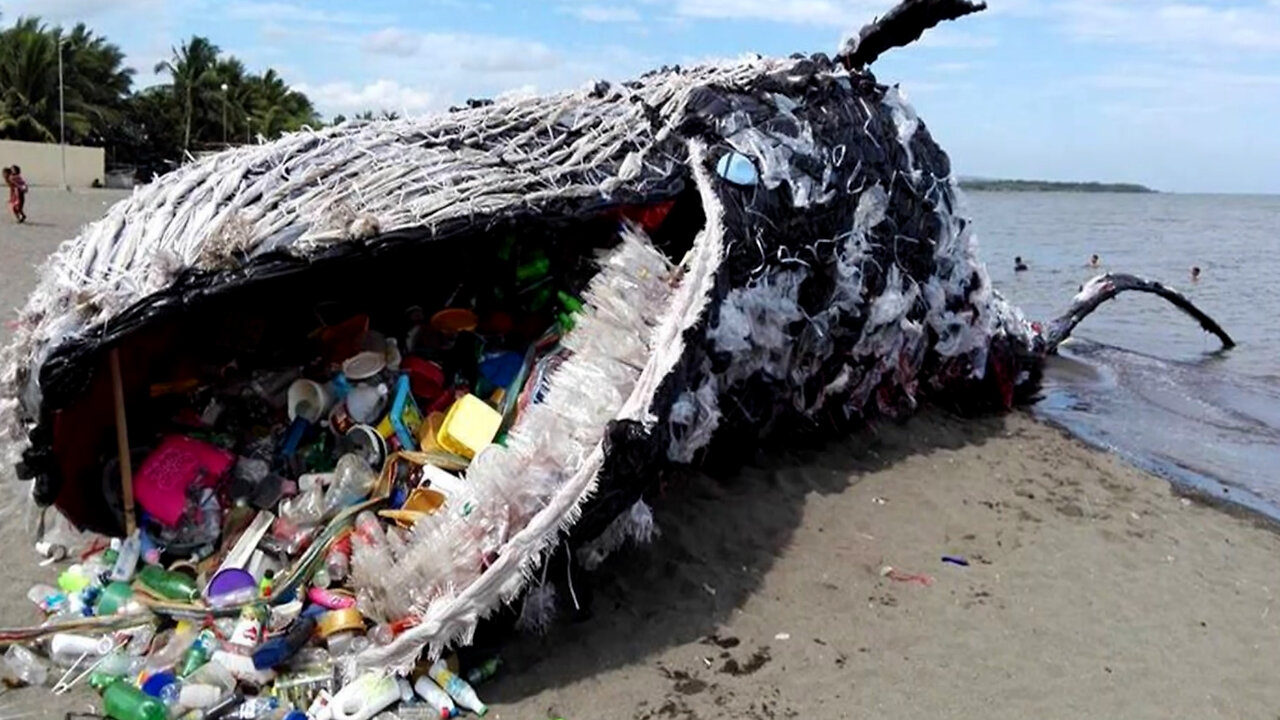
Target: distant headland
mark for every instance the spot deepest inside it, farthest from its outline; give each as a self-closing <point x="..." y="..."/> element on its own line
<point x="994" y="185"/>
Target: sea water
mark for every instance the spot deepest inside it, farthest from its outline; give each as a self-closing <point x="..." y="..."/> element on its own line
<point x="1140" y="378"/>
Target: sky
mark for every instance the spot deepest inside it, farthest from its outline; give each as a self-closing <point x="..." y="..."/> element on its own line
<point x="1180" y="95"/>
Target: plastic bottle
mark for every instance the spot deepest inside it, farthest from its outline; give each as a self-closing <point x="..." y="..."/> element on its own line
<point x="169" y="656"/>
<point x="198" y="697"/>
<point x="394" y="357"/>
<point x="353" y="481"/>
<point x="127" y="559"/>
<point x="48" y="599"/>
<point x="123" y="701"/>
<point x="384" y="633"/>
<point x="484" y="671"/>
<point x="199" y="653"/>
<point x="366" y="696"/>
<point x="435" y="696"/>
<point x="26" y="665"/>
<point x="337" y="563"/>
<point x="248" y="630"/>
<point x="66" y="649"/>
<point x="462" y="693"/>
<point x="172" y="585"/>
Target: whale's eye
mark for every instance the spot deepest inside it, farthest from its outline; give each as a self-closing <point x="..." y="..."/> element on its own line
<point x="737" y="169"/>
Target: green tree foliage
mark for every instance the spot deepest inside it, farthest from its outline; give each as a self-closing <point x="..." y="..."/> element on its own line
<point x="210" y="98"/>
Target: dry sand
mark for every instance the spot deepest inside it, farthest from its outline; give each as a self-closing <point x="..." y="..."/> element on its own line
<point x="1092" y="589"/>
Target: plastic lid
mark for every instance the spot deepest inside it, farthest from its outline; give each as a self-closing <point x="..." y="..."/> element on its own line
<point x="229" y="581"/>
<point x="454" y="320"/>
<point x="364" y="365"/>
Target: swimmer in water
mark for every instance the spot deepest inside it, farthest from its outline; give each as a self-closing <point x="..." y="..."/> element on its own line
<point x="1195" y="273"/>
<point x="1094" y="261"/>
<point x="1018" y="265"/>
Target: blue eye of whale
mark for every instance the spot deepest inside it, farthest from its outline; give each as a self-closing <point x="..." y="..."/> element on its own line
<point x="737" y="169"/>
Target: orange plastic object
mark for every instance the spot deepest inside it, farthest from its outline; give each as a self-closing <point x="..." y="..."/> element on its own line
<point x="454" y="320"/>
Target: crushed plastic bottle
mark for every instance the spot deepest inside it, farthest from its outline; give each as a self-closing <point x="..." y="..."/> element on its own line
<point x="26" y="665"/>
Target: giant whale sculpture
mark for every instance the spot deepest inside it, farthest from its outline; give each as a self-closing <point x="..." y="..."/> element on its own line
<point x="778" y="245"/>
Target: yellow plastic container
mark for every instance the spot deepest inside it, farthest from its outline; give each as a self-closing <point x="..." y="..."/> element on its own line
<point x="469" y="426"/>
<point x="429" y="432"/>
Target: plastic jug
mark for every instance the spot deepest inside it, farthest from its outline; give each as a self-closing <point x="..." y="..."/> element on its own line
<point x="469" y="426"/>
<point x="366" y="696"/>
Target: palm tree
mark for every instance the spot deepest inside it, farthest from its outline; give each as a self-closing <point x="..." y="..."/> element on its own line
<point x="95" y="79"/>
<point x="194" y="78"/>
<point x="28" y="69"/>
<point x="278" y="109"/>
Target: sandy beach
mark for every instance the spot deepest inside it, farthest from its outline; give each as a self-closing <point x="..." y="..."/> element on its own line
<point x="1091" y="590"/>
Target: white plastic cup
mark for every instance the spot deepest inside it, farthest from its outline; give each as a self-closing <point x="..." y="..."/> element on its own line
<point x="313" y="394"/>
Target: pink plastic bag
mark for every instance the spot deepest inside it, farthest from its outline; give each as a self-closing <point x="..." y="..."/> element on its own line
<point x="160" y="485"/>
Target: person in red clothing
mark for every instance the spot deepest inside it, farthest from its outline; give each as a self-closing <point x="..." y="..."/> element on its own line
<point x="20" y="184"/>
<point x="17" y="192"/>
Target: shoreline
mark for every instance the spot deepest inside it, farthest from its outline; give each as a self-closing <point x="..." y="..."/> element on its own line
<point x="1094" y="588"/>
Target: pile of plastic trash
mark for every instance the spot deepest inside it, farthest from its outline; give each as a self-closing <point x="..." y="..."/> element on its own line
<point x="238" y="593"/>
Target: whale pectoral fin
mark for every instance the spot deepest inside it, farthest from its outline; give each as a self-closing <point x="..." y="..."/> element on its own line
<point x="1104" y="287"/>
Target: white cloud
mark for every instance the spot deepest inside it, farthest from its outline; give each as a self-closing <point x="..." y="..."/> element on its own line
<point x="603" y="13"/>
<point x="348" y="98"/>
<point x="392" y="41"/>
<point x="1182" y="26"/>
<point x="487" y="54"/>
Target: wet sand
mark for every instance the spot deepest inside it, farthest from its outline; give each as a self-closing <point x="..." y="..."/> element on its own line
<point x="1092" y="590"/>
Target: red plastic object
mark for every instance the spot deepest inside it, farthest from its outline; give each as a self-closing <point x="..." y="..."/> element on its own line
<point x="426" y="379"/>
<point x="160" y="485"/>
<point x="649" y="217"/>
<point x="345" y="339"/>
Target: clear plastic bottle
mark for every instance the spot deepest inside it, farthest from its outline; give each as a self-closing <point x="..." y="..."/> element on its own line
<point x="26" y="665"/>
<point x="127" y="559"/>
<point x="338" y="564"/>
<point x="353" y="481"/>
<point x="47" y="598"/>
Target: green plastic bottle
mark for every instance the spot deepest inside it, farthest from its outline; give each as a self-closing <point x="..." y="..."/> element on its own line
<point x="172" y="585"/>
<point x="199" y="653"/>
<point x="123" y="701"/>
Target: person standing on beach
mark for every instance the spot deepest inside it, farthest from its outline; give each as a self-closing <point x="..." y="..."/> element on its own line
<point x="17" y="192"/>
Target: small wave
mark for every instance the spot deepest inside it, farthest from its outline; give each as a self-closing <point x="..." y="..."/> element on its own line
<point x="1194" y="422"/>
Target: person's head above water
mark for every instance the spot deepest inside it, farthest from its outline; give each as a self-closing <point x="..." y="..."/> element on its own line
<point x="1094" y="259"/>
<point x="1017" y="260"/>
<point x="1195" y="271"/>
